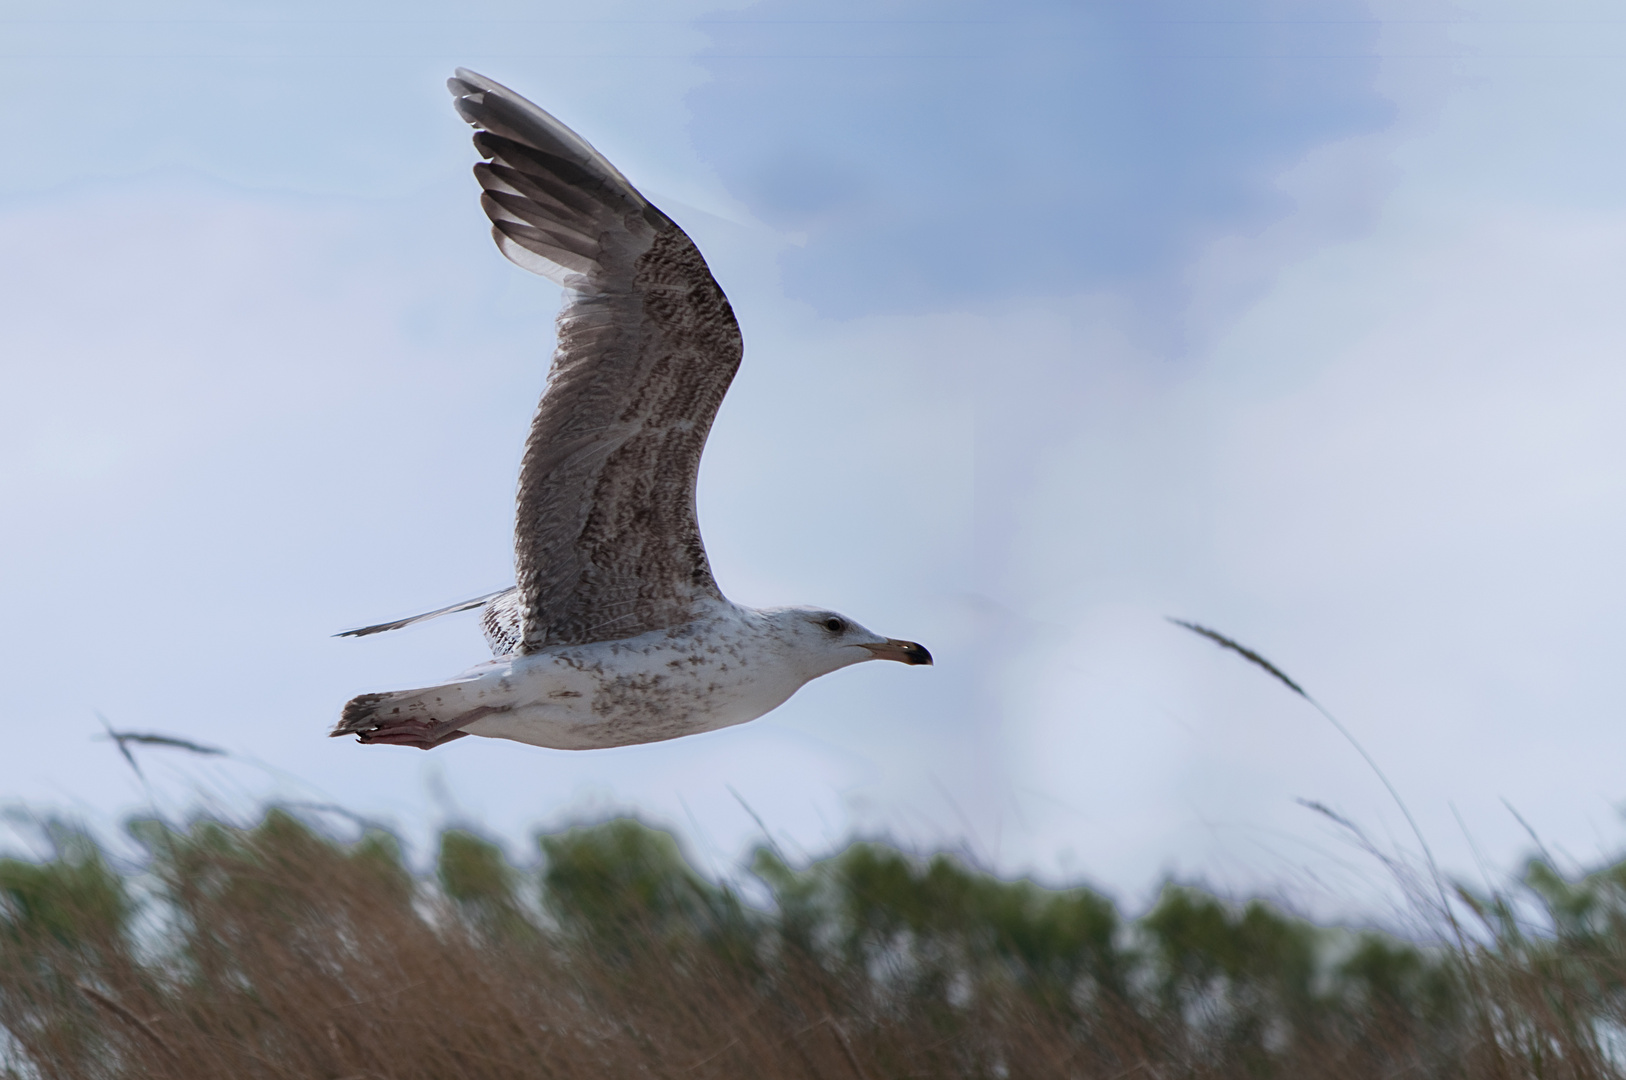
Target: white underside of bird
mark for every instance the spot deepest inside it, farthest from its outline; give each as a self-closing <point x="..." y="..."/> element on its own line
<point x="731" y="665"/>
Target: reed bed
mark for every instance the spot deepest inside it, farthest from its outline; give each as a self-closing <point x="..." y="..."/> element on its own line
<point x="278" y="950"/>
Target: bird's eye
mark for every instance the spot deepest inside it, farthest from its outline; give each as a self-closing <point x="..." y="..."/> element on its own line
<point x="835" y="625"/>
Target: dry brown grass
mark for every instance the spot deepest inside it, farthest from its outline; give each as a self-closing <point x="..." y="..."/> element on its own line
<point x="278" y="952"/>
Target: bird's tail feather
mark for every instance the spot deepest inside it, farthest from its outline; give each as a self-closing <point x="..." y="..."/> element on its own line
<point x="423" y="718"/>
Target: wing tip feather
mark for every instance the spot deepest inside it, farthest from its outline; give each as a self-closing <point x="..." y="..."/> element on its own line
<point x="480" y="101"/>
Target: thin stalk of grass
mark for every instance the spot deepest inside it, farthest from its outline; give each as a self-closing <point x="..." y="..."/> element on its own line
<point x="1438" y="880"/>
<point x="1259" y="661"/>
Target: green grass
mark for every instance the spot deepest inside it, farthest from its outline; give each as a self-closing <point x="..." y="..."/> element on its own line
<point x="279" y="951"/>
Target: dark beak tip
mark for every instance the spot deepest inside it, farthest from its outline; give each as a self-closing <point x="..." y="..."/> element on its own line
<point x="907" y="652"/>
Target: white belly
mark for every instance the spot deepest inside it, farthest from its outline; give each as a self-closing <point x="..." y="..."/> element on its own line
<point x="661" y="685"/>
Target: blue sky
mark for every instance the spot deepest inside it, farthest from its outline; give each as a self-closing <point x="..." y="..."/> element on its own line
<point x="1299" y="320"/>
<point x="935" y="154"/>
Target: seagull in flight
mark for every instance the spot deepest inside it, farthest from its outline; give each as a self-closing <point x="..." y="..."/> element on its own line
<point x="616" y="632"/>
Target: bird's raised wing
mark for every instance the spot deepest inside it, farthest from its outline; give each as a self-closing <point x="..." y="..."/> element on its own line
<point x="606" y="544"/>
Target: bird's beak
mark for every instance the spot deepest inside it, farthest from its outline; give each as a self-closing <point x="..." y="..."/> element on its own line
<point x="905" y="652"/>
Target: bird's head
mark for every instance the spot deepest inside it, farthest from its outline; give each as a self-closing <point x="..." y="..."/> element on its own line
<point x="826" y="641"/>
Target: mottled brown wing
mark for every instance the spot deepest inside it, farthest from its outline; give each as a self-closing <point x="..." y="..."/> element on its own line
<point x="606" y="543"/>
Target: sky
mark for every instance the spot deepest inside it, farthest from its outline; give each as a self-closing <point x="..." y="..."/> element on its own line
<point x="1300" y="321"/>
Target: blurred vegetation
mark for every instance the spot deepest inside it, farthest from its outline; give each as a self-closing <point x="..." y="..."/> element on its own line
<point x="281" y="951"/>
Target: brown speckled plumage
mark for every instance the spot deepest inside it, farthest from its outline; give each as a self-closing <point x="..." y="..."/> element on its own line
<point x="606" y="542"/>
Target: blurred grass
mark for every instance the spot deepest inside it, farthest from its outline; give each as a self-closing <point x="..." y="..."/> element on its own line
<point x="280" y="951"/>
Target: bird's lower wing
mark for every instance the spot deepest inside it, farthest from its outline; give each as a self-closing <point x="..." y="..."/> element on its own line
<point x="426" y="616"/>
